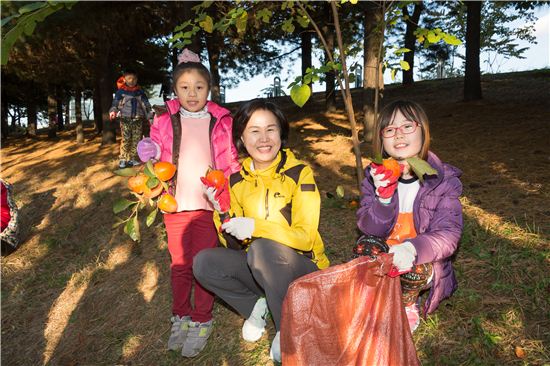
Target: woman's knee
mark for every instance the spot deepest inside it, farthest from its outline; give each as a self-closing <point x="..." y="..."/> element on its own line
<point x="203" y="260"/>
<point x="261" y="253"/>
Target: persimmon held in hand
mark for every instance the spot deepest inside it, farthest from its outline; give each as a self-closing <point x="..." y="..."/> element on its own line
<point x="164" y="170"/>
<point x="393" y="165"/>
<point x="215" y="178"/>
<point x="167" y="203"/>
<point x="137" y="183"/>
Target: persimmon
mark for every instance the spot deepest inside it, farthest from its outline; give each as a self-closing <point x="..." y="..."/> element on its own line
<point x="152" y="192"/>
<point x="137" y="183"/>
<point x="215" y="178"/>
<point x="167" y="203"/>
<point x="392" y="165"/>
<point x="164" y="170"/>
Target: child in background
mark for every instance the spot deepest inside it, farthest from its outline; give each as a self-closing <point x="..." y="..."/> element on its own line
<point x="421" y="221"/>
<point x="194" y="134"/>
<point x="132" y="107"/>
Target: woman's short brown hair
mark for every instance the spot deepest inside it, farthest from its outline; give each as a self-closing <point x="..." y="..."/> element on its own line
<point x="413" y="112"/>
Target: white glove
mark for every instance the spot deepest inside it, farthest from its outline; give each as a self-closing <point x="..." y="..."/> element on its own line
<point x="210" y="193"/>
<point x="240" y="227"/>
<point x="403" y="255"/>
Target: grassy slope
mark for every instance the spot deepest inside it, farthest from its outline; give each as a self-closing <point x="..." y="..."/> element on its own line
<point x="78" y="293"/>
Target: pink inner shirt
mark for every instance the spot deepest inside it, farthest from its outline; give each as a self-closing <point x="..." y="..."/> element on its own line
<point x="193" y="162"/>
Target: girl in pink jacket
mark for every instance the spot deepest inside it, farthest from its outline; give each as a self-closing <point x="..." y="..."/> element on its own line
<point x="194" y="134"/>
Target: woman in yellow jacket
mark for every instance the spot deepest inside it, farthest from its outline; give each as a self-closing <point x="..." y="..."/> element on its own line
<point x="270" y="232"/>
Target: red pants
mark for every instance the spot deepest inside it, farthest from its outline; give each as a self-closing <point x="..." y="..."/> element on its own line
<point x="189" y="232"/>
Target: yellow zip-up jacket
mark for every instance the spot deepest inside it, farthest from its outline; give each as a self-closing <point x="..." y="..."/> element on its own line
<point x="284" y="202"/>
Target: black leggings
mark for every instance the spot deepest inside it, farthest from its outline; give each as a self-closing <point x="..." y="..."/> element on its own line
<point x="240" y="277"/>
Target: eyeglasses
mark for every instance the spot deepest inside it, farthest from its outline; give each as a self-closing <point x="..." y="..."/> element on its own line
<point x="405" y="129"/>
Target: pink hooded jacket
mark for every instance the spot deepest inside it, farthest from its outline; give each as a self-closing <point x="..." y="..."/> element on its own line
<point x="167" y="125"/>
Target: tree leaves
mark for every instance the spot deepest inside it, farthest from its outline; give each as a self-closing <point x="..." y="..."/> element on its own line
<point x="26" y="19"/>
<point x="452" y="40"/>
<point x="300" y="94"/>
<point x="264" y="15"/>
<point x="152" y="182"/>
<point x="421" y="167"/>
<point x="126" y="172"/>
<point x="151" y="217"/>
<point x="240" y="22"/>
<point x="207" y="24"/>
<point x="132" y="228"/>
<point x="122" y="204"/>
<point x="288" y="26"/>
<point x="149" y="170"/>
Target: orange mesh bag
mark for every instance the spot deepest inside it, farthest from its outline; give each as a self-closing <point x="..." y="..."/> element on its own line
<point x="350" y="314"/>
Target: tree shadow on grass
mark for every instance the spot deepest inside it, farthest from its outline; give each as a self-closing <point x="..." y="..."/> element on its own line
<point x="501" y="302"/>
<point x="122" y="317"/>
<point x="35" y="277"/>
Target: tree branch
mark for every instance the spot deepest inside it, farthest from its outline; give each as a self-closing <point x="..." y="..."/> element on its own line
<point x="280" y="56"/>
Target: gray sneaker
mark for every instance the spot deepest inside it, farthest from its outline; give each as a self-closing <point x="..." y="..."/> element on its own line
<point x="133" y="163"/>
<point x="196" y="338"/>
<point x="178" y="333"/>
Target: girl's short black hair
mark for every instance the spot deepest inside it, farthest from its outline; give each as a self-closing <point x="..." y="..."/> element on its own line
<point x="184" y="67"/>
<point x="243" y="116"/>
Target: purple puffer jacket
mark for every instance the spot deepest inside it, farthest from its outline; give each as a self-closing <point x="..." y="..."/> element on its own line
<point x="437" y="214"/>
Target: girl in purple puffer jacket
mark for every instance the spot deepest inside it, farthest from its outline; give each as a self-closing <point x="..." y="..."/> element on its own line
<point x="193" y="134"/>
<point x="422" y="222"/>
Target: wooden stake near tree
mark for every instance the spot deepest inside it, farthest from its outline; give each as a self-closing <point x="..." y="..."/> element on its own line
<point x="346" y="92"/>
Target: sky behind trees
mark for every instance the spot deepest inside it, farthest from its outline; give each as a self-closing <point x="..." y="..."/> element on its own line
<point x="536" y="57"/>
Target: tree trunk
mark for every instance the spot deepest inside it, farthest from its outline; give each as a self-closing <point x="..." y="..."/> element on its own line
<point x="306" y="53"/>
<point x="85" y="108"/>
<point x="213" y="45"/>
<point x="472" y="77"/>
<point x="5" y="127"/>
<point x="330" y="77"/>
<point x="13" y="118"/>
<point x="97" y="109"/>
<point x="372" y="65"/>
<point x="346" y="96"/>
<point x="78" y="115"/>
<point x="52" y="115"/>
<point x="105" y="86"/>
<point x="410" y="41"/>
<point x="68" y="111"/>
<point x="31" y="118"/>
<point x="59" y="111"/>
<point x="17" y="116"/>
